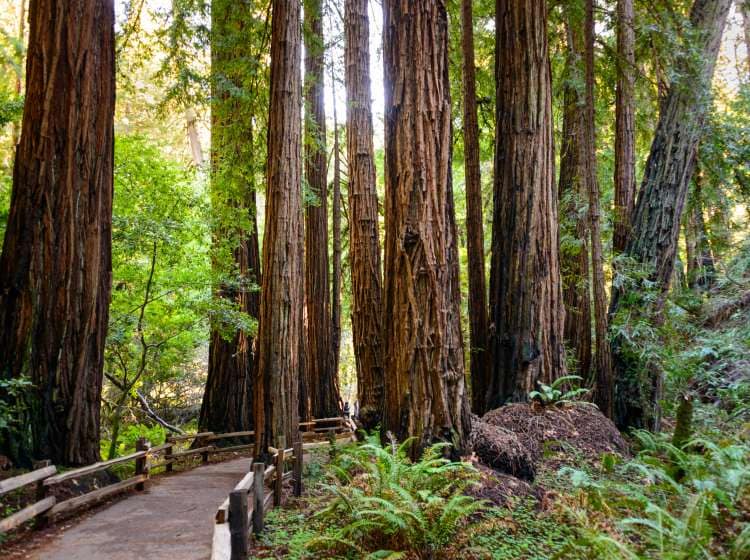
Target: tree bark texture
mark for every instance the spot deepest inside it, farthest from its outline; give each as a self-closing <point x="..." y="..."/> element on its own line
<point x="281" y="298"/>
<point x="56" y="267"/>
<point x="574" y="248"/>
<point x="364" y="242"/>
<point x="603" y="358"/>
<point x="336" y="223"/>
<point x="424" y="382"/>
<point x="700" y="262"/>
<point x="474" y="222"/>
<point x="322" y="381"/>
<point x="526" y="303"/>
<point x="745" y="9"/>
<point x="624" y="125"/>
<point x="656" y="220"/>
<point x="228" y="396"/>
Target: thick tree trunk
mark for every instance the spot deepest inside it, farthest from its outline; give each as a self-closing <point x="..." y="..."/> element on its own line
<point x="56" y="267"/>
<point x="281" y="297"/>
<point x="474" y="222"/>
<point x="336" y="221"/>
<point x="604" y="393"/>
<point x="526" y="303"/>
<point x="322" y="382"/>
<point x="228" y="397"/>
<point x="624" y="125"/>
<point x="424" y="384"/>
<point x="364" y="242"/>
<point x="656" y="220"/>
<point x="574" y="251"/>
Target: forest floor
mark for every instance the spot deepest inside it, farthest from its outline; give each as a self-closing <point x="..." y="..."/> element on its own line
<point x="172" y="519"/>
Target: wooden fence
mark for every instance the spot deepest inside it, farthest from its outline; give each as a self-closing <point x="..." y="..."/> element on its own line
<point x="146" y="458"/>
<point x="246" y="506"/>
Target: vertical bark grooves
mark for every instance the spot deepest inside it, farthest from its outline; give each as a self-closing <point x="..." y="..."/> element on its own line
<point x="474" y="221"/>
<point x="526" y="304"/>
<point x="603" y="358"/>
<point x="656" y="219"/>
<point x="56" y="267"/>
<point x="574" y="255"/>
<point x="279" y="336"/>
<point x="336" y="220"/>
<point x="624" y="125"/>
<point x="424" y="382"/>
<point x="364" y="242"/>
<point x="322" y="383"/>
<point x="228" y="396"/>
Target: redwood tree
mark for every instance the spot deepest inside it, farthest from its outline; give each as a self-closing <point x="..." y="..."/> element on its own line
<point x="281" y="297"/>
<point x="526" y="304"/>
<point x="228" y="396"/>
<point x="656" y="220"/>
<point x="424" y="364"/>
<point x="624" y="125"/>
<point x="364" y="243"/>
<point x="56" y="267"/>
<point x="322" y="381"/>
<point x="474" y="221"/>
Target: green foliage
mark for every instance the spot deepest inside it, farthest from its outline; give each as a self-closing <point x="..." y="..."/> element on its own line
<point x="384" y="505"/>
<point x="12" y="402"/>
<point x="11" y="108"/>
<point x="549" y="395"/>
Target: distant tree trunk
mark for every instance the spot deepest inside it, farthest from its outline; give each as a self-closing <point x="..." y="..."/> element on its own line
<point x="364" y="242"/>
<point x="474" y="222"/>
<point x="322" y="382"/>
<point x="56" y="266"/>
<point x="745" y="8"/>
<point x="190" y="117"/>
<point x="336" y="219"/>
<point x="656" y="220"/>
<point x="603" y="358"/>
<point x="424" y="384"/>
<point x="21" y="37"/>
<point x="281" y="297"/>
<point x="574" y="250"/>
<point x="700" y="266"/>
<point x="526" y="303"/>
<point x="624" y="125"/>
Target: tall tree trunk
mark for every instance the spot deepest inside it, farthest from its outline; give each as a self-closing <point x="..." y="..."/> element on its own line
<point x="656" y="220"/>
<point x="424" y="385"/>
<point x="526" y="304"/>
<point x="281" y="297"/>
<point x="21" y="37"/>
<point x="700" y="265"/>
<point x="322" y="382"/>
<point x="364" y="242"/>
<point x="56" y="265"/>
<point x="574" y="251"/>
<point x="745" y="8"/>
<point x="624" y="125"/>
<point x="228" y="397"/>
<point x="604" y="393"/>
<point x="336" y="220"/>
<point x="474" y="221"/>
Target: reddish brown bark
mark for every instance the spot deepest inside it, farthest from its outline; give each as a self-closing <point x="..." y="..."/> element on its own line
<point x="322" y="381"/>
<point x="656" y="220"/>
<point x="526" y="304"/>
<point x="424" y="382"/>
<point x="624" y="126"/>
<point x="281" y="298"/>
<point x="474" y="222"/>
<point x="56" y="268"/>
<point x="336" y="221"/>
<point x="364" y="242"/>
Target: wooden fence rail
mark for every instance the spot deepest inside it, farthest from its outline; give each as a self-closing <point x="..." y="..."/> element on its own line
<point x="46" y="478"/>
<point x="236" y="517"/>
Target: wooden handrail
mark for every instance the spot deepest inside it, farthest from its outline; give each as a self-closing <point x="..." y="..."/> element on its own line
<point x="190" y="436"/>
<point x="96" y="467"/>
<point x="16" y="482"/>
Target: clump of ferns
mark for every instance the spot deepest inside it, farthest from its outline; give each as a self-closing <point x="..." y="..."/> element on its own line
<point x="672" y="503"/>
<point x="385" y="505"/>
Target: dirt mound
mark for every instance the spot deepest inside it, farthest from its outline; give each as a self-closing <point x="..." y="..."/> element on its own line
<point x="501" y="449"/>
<point x="576" y="430"/>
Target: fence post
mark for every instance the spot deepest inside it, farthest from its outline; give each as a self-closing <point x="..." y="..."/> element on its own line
<point x="298" y="451"/>
<point x="279" y="472"/>
<point x="258" y="497"/>
<point x="141" y="464"/>
<point x="238" y="530"/>
<point x="42" y="519"/>
<point x="167" y="453"/>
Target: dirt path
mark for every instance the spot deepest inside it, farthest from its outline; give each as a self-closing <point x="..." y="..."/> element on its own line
<point x="172" y="520"/>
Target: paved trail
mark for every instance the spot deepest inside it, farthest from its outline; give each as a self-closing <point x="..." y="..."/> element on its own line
<point x="172" y="520"/>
